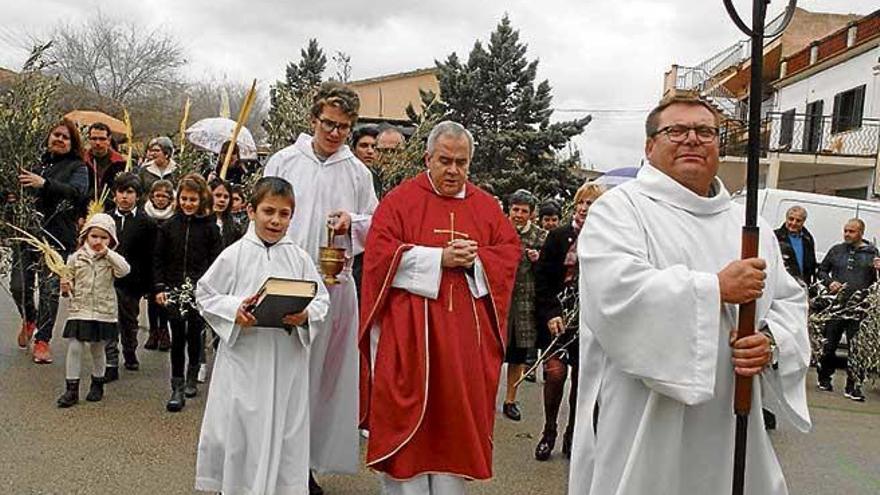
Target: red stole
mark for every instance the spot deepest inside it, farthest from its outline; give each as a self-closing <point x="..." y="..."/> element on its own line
<point x="429" y="402"/>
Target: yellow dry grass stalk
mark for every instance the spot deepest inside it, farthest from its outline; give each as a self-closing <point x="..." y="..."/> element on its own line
<point x="54" y="260"/>
<point x="97" y="205"/>
<point x="183" y="122"/>
<point x="128" y="134"/>
<point x="242" y="118"/>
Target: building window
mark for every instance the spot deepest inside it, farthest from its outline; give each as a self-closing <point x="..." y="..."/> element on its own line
<point x="813" y="126"/>
<point x="786" y="129"/>
<point x="848" y="107"/>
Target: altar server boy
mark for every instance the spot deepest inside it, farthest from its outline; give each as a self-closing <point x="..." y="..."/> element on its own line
<point x="255" y="433"/>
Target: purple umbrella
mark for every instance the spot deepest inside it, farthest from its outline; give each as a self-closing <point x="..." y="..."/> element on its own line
<point x="617" y="176"/>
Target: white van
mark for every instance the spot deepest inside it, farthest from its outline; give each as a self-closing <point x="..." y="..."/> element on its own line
<point x="826" y="215"/>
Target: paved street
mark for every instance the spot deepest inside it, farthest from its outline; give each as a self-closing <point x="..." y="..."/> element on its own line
<point x="129" y="445"/>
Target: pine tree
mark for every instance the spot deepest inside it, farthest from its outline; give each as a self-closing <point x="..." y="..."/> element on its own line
<point x="496" y="97"/>
<point x="290" y="99"/>
<point x="309" y="72"/>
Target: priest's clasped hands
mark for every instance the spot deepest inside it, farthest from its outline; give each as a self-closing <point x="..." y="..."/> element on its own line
<point x="459" y="253"/>
<point x="244" y="318"/>
<point x="740" y="282"/>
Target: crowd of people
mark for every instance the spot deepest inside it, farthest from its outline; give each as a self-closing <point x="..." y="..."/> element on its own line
<point x="631" y="294"/>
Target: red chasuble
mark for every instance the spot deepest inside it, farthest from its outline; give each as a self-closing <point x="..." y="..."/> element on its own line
<point x="429" y="401"/>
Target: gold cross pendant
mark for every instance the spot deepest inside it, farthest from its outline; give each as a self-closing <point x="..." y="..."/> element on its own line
<point x="452" y="233"/>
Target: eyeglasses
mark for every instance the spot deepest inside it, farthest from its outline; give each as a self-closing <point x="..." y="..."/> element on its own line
<point x="331" y="125"/>
<point x="97" y="138"/>
<point x="679" y="133"/>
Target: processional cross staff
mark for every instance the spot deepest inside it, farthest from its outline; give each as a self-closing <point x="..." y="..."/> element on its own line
<point x="746" y="324"/>
<point x="452" y="233"/>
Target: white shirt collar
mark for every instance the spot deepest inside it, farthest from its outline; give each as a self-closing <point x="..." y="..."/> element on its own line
<point x="458" y="195"/>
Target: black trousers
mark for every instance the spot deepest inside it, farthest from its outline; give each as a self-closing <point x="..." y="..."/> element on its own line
<point x="186" y="342"/>
<point x="834" y="330"/>
<point x="129" y="310"/>
<point x="26" y="265"/>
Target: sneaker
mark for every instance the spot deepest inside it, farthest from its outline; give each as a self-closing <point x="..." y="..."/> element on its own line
<point x="856" y="394"/>
<point x="826" y="386"/>
<point x="42" y="354"/>
<point x="26" y="333"/>
<point x="203" y="373"/>
<point x="853" y="391"/>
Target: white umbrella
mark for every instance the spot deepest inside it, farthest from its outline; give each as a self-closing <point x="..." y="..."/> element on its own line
<point x="210" y="134"/>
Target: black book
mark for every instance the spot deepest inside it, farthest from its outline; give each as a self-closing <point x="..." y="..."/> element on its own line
<point x="279" y="297"/>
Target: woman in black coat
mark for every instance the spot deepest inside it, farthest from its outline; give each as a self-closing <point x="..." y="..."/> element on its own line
<point x="59" y="186"/>
<point x="556" y="288"/>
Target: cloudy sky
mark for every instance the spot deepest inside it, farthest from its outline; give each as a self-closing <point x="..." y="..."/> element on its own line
<point x="607" y="57"/>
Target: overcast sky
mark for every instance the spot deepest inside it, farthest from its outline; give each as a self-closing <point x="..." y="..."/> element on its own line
<point x="604" y="56"/>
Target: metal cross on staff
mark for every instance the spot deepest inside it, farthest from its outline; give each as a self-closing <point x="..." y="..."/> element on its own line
<point x="746" y="325"/>
<point x="452" y="233"/>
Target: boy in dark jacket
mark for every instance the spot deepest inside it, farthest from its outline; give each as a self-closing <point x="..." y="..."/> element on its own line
<point x="137" y="233"/>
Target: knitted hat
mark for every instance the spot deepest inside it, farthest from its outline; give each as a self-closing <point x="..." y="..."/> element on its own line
<point x="164" y="143"/>
<point x="104" y="222"/>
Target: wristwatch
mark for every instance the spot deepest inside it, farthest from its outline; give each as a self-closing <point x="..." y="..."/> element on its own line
<point x="774" y="349"/>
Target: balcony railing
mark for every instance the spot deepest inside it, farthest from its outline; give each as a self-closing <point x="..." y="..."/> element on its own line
<point x="805" y="134"/>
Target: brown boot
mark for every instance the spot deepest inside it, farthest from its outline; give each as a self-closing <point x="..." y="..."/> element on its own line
<point x="164" y="340"/>
<point x="153" y="340"/>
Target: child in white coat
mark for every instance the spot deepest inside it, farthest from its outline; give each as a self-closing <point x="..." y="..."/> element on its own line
<point x="93" y="311"/>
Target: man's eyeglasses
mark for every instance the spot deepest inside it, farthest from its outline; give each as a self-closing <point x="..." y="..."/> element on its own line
<point x="331" y="125"/>
<point x="679" y="133"/>
<point x="97" y="138"/>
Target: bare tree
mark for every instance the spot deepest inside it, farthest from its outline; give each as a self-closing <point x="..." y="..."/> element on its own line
<point x="117" y="59"/>
<point x="343" y="66"/>
<point x="206" y="97"/>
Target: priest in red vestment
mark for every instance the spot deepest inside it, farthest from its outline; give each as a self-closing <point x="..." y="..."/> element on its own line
<point x="439" y="267"/>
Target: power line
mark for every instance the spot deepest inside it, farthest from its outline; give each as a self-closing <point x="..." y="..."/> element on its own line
<point x="601" y="110"/>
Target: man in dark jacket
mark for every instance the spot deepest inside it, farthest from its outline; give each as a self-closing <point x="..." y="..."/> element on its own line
<point x="103" y="161"/>
<point x="797" y="246"/>
<point x="137" y="233"/>
<point x="849" y="267"/>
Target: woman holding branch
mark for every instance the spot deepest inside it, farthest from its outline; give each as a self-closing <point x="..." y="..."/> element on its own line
<point x="556" y="289"/>
<point x="60" y="185"/>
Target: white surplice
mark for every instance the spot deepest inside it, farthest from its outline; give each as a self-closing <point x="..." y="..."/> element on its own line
<point x="255" y="433"/>
<point x="341" y="182"/>
<point x="654" y="346"/>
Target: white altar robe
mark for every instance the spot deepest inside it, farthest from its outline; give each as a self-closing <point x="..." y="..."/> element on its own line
<point x="255" y="433"/>
<point x="341" y="182"/>
<point x="654" y="346"/>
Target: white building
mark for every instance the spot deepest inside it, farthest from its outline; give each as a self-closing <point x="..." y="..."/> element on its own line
<point x="828" y="102"/>
<point x="821" y="105"/>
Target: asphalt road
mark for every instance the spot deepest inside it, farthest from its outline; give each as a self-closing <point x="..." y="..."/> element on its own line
<point x="129" y="445"/>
